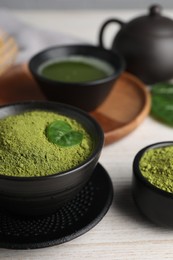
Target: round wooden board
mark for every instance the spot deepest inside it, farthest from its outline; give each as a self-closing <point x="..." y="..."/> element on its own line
<point x="125" y="108"/>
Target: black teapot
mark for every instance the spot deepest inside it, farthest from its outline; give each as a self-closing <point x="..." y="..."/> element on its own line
<point x="146" y="43"/>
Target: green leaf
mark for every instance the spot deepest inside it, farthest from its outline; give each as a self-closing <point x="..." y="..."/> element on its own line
<point x="60" y="133"/>
<point x="162" y="102"/>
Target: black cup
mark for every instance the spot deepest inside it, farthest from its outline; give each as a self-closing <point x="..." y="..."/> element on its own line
<point x="85" y="95"/>
<point x="45" y="194"/>
<point x="154" y="203"/>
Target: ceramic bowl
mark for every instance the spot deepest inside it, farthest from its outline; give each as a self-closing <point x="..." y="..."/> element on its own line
<point x="85" y="95"/>
<point x="154" y="203"/>
<point x="43" y="195"/>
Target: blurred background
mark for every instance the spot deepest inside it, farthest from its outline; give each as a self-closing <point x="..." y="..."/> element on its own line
<point x="37" y="24"/>
<point x="82" y="4"/>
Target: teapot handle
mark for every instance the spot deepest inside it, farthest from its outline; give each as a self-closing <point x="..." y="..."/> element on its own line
<point x="103" y="28"/>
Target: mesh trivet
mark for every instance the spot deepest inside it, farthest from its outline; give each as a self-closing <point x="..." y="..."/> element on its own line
<point x="72" y="220"/>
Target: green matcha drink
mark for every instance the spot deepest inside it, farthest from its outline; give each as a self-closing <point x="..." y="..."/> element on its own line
<point x="76" y="69"/>
<point x="40" y="143"/>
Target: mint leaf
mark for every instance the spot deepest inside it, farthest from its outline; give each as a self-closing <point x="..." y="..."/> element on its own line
<point x="61" y="133"/>
<point x="162" y="102"/>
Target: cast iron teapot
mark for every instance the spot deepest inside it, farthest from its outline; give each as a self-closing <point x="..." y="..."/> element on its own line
<point x="146" y="43"/>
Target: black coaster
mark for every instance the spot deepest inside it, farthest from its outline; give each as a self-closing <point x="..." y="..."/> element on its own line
<point x="72" y="220"/>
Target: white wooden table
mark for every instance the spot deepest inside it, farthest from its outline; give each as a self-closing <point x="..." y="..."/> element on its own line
<point x="123" y="233"/>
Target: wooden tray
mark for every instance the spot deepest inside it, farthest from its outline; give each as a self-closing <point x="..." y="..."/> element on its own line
<point x="124" y="109"/>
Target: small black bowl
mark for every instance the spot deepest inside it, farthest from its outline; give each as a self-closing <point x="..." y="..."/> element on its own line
<point x="154" y="203"/>
<point x="85" y="95"/>
<point x="45" y="194"/>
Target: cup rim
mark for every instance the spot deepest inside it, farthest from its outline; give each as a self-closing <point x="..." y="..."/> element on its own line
<point x="106" y="79"/>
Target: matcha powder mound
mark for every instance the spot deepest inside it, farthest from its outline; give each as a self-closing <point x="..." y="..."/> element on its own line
<point x="156" y="166"/>
<point x="25" y="151"/>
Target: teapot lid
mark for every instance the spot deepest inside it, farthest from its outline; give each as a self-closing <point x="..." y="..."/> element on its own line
<point x="153" y="24"/>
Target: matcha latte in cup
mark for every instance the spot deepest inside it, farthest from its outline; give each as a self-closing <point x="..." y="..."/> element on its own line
<point x="48" y="152"/>
<point x="79" y="75"/>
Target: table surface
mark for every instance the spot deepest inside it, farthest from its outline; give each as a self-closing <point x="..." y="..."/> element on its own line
<point x="123" y="233"/>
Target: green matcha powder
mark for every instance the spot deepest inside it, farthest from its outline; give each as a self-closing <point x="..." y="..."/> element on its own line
<point x="156" y="166"/>
<point x="25" y="150"/>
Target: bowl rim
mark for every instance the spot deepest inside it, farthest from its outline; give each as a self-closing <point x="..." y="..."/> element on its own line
<point x="86" y="162"/>
<point x="139" y="175"/>
<point x="106" y="79"/>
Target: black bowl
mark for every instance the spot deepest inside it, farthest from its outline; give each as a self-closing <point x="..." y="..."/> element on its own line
<point x="85" y="95"/>
<point x="43" y="195"/>
<point x="154" y="203"/>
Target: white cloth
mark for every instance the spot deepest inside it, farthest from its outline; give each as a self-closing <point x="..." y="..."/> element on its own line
<point x="31" y="40"/>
